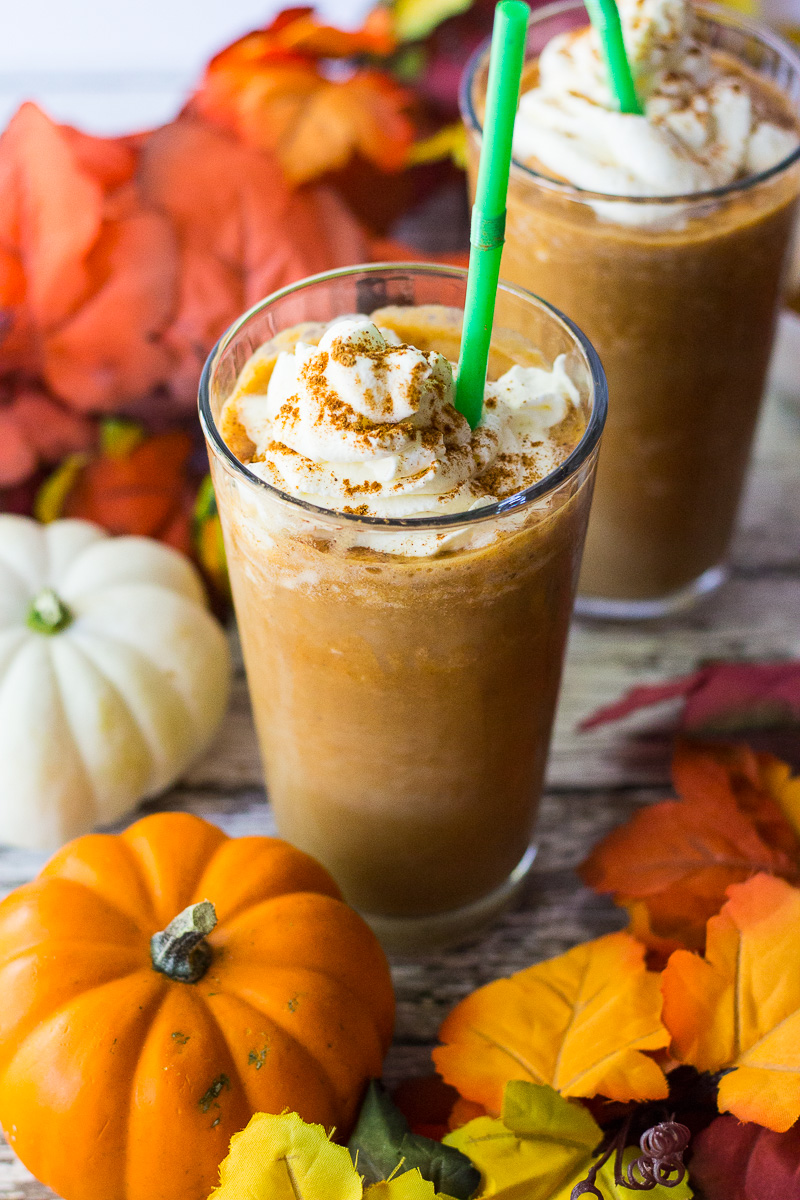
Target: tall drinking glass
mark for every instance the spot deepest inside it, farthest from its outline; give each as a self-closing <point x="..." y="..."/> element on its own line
<point x="679" y="295"/>
<point x="404" y="673"/>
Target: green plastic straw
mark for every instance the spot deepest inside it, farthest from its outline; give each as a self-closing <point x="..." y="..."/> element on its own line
<point x="604" y="15"/>
<point x="489" y="211"/>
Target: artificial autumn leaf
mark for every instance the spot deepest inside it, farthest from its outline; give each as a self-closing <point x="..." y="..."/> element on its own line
<point x="297" y="31"/>
<point x="738" y="1009"/>
<point x="732" y="1161"/>
<point x="135" y="485"/>
<point x="554" y="1145"/>
<point x="415" y="19"/>
<point x="541" y="1147"/>
<point x="243" y="234"/>
<point x="283" y="1158"/>
<point x="93" y="274"/>
<point x="271" y="91"/>
<point x="448" y="142"/>
<point x="720" y="698"/>
<point x="427" y="1104"/>
<point x="672" y="862"/>
<point x="123" y="260"/>
<point x="579" y="1022"/>
<point x="382" y="1143"/>
<point x="208" y="543"/>
<point x="464" y="1111"/>
<point x="36" y="430"/>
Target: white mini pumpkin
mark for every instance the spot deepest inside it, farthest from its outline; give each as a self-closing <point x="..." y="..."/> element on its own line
<point x="113" y="676"/>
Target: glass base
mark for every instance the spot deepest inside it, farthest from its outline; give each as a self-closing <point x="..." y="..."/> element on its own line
<point x="650" y="610"/>
<point x="418" y="935"/>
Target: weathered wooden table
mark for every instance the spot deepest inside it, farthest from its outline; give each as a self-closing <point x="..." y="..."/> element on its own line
<point x="596" y="780"/>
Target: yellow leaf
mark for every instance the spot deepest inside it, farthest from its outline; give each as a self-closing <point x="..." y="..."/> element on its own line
<point x="738" y="1009"/>
<point x="119" y="438"/>
<point x="579" y="1022"/>
<point x="51" y="496"/>
<point x="450" y="142"/>
<point x="541" y="1148"/>
<point x="282" y="1158"/>
<point x="414" y="19"/>
<point x="783" y="787"/>
<point x="541" y="1142"/>
<point x="408" y="1186"/>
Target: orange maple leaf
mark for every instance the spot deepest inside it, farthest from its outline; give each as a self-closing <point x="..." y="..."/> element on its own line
<point x="738" y="1009"/>
<point x="136" y="484"/>
<point x="296" y="30"/>
<point x="272" y="91"/>
<point x="672" y="863"/>
<point x="579" y="1022"/>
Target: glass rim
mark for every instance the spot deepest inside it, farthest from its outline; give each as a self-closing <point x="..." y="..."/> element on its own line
<point x="716" y="12"/>
<point x="543" y="487"/>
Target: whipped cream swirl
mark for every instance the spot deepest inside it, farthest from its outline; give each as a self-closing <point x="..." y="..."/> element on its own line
<point x="362" y="423"/>
<point x="701" y="129"/>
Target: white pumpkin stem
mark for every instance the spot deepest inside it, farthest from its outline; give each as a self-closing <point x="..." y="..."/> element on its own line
<point x="180" y="951"/>
<point x="48" y="613"/>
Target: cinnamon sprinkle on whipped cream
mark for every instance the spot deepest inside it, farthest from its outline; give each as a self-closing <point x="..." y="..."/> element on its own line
<point x="704" y="124"/>
<point x="363" y="423"/>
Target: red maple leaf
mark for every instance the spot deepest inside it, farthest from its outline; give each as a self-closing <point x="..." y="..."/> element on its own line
<point x="722" y="697"/>
<point x="671" y="864"/>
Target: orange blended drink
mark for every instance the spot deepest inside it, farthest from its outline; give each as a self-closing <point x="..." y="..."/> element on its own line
<point x="665" y="236"/>
<point x="403" y="584"/>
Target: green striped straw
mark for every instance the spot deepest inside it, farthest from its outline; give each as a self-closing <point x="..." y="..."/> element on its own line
<point x="604" y="15"/>
<point x="489" y="211"/>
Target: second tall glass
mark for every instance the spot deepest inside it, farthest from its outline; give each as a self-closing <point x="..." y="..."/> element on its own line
<point x="679" y="295"/>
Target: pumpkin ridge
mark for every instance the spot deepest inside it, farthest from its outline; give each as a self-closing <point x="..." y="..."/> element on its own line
<point x="53" y="1014"/>
<point x="247" y="902"/>
<point x="93" y="947"/>
<point x="144" y="840"/>
<point x="81" y="641"/>
<point x="175" y="697"/>
<point x="84" y="637"/>
<point x="344" y="991"/>
<point x="129" y="1091"/>
<point x="200" y="613"/>
<point x="88" y="665"/>
<point x="144" y="921"/>
<point x="22" y="641"/>
<point x="227" y="930"/>
<point x="316" y="1066"/>
<point x="6" y="1058"/>
<point x="80" y="761"/>
<point x="26" y="582"/>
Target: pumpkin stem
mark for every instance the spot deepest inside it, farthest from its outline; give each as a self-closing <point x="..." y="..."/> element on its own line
<point x="180" y="951"/>
<point x="48" y="613"/>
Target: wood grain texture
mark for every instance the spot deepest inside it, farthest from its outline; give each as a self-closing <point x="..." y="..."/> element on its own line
<point x="596" y="780"/>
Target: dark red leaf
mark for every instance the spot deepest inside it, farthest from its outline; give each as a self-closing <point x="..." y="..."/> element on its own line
<point x="720" y="698"/>
<point x="734" y="1161"/>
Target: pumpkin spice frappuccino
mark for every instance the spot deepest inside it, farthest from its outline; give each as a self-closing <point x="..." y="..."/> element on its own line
<point x="664" y="235"/>
<point x="403" y="584"/>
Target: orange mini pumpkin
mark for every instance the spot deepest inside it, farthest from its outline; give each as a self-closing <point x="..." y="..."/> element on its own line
<point x="133" y="1045"/>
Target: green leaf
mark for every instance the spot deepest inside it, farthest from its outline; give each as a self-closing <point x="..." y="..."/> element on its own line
<point x="537" y="1110"/>
<point x="541" y="1148"/>
<point x="382" y="1143"/>
<point x="415" y="19"/>
<point x="120" y="437"/>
